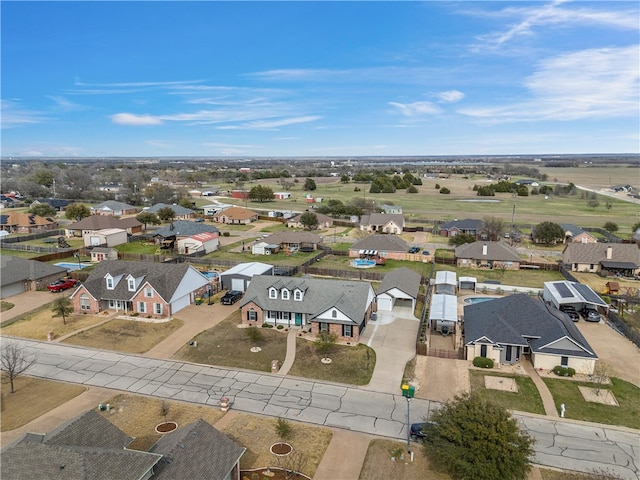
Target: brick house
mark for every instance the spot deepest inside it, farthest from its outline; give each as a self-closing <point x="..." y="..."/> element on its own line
<point x="392" y="223"/>
<point x="389" y="247"/>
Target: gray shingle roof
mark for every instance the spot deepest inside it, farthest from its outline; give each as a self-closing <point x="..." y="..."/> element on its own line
<point x="404" y="279"/>
<point x="113" y="205"/>
<point x="164" y="277"/>
<point x="508" y="320"/>
<point x="196" y="452"/>
<point x="386" y="243"/>
<point x="597" y="252"/>
<point x="350" y="297"/>
<point x="184" y="228"/>
<point x="466" y="224"/>
<point x="100" y="222"/>
<point x="16" y="269"/>
<point x="177" y="209"/>
<point x="574" y="230"/>
<point x="496" y="251"/>
<point x="89" y="430"/>
<point x="382" y="219"/>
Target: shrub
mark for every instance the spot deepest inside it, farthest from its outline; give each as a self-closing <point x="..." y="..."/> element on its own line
<point x="135" y="314"/>
<point x="445" y="191"/>
<point x="280" y="327"/>
<point x="564" y="371"/>
<point x="267" y="325"/>
<point x="483" y="362"/>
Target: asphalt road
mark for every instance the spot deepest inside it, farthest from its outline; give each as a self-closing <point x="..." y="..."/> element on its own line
<point x="560" y="443"/>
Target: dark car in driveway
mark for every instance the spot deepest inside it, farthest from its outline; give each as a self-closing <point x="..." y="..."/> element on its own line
<point x="420" y="431"/>
<point x="570" y="311"/>
<point x="414" y="249"/>
<point x="231" y="297"/>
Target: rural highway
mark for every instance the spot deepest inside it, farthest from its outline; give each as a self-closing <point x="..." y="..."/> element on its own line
<point x="559" y="443"/>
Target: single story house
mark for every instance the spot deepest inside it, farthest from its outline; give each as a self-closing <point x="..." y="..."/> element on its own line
<point x="22" y="275"/>
<point x="109" y="237"/>
<point x="206" y="242"/>
<point x="291" y="242"/>
<point x="574" y="294"/>
<point x="495" y="255"/>
<point x="145" y="288"/>
<point x="399" y="288"/>
<point x="235" y="215"/>
<point x="324" y="221"/>
<point x="528" y="182"/>
<point x="392" y="223"/>
<point x="179" y="229"/>
<point x="181" y="213"/>
<point x="445" y="282"/>
<point x="213" y="209"/>
<point x="239" y="277"/>
<point x="390" y="247"/>
<point x="574" y="234"/>
<point x="281" y="195"/>
<point x="112" y="207"/>
<point x="90" y="446"/>
<point x="508" y="328"/>
<point x="93" y="223"/>
<point x="391" y="209"/>
<point x="101" y="253"/>
<point x="469" y="226"/>
<point x="342" y="307"/>
<point x="26" y="223"/>
<point x="608" y="258"/>
<point x="264" y="248"/>
<point x="443" y="313"/>
<point x="60" y="204"/>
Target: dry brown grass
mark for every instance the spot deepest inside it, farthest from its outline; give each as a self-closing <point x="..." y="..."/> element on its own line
<point x="598" y="283"/>
<point x="378" y="463"/>
<point x="39" y="323"/>
<point x="32" y="398"/>
<point x="257" y="434"/>
<point x="128" y="336"/>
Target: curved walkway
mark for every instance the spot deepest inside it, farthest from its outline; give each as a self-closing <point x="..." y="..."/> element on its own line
<point x="291" y="351"/>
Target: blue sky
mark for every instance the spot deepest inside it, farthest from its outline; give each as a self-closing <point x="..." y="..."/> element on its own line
<point x="319" y="78"/>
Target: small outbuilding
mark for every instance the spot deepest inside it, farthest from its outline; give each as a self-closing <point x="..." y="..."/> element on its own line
<point x="399" y="288"/>
<point x="206" y="242"/>
<point x="446" y="283"/>
<point x="443" y="313"/>
<point x="108" y="237"/>
<point x="239" y="277"/>
<point x="467" y="283"/>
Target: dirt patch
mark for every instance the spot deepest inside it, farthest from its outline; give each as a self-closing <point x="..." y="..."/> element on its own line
<point x="604" y="396"/>
<point x="440" y="379"/>
<point x="500" y="383"/>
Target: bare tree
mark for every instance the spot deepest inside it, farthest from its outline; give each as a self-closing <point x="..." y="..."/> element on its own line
<point x="601" y="374"/>
<point x="292" y="464"/>
<point x="14" y="361"/>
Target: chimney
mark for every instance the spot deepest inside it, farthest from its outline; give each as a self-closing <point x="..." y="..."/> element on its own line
<point x="609" y="252"/>
<point x="484" y="249"/>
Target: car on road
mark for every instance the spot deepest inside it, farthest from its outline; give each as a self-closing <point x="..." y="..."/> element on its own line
<point x="62" y="284"/>
<point x="414" y="249"/>
<point x="591" y="315"/>
<point x="231" y="297"/>
<point x="420" y="431"/>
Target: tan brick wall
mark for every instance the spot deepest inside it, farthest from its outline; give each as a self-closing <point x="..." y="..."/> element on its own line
<point x="337" y="329"/>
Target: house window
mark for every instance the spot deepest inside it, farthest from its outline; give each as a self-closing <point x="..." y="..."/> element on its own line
<point x="297" y="295"/>
<point x="157" y="308"/>
<point x="334" y="314"/>
<point x="346" y="330"/>
<point x="591" y="266"/>
<point x="273" y="293"/>
<point x="324" y="327"/>
<point x="109" y="282"/>
<point x="252" y="316"/>
<point x="131" y="284"/>
<point x="142" y="307"/>
<point x="285" y="294"/>
<point x="148" y="292"/>
<point x="85" y="303"/>
<point x="564" y="361"/>
<point x="575" y="266"/>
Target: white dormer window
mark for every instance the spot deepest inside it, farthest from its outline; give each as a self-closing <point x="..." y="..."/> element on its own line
<point x="109" y="280"/>
<point x="285" y="294"/>
<point x="273" y="293"/>
<point x="297" y="295"/>
<point x="131" y="284"/>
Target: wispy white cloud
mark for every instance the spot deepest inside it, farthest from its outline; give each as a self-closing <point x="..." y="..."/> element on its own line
<point x="136" y="120"/>
<point x="451" y="96"/>
<point x="596" y="83"/>
<point x="415" y="109"/>
<point x="283" y="122"/>
<point x="15" y="115"/>
<point x="65" y="104"/>
<point x="372" y="75"/>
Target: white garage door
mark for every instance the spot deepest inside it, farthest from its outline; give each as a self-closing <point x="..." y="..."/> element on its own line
<point x="180" y="304"/>
<point x="237" y="284"/>
<point x="385" y="303"/>
<point x="11" y="289"/>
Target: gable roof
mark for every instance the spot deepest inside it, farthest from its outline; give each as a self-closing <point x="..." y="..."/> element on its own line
<point x="293" y="237"/>
<point x="350" y="297"/>
<point x="113" y="205"/>
<point x="54" y="202"/>
<point x="25" y="220"/>
<point x="100" y="222"/>
<point x="322" y="218"/>
<point x="389" y="243"/>
<point x="573" y="230"/>
<point x="177" y="209"/>
<point x="404" y="279"/>
<point x="163" y="277"/>
<point x="184" y="228"/>
<point x="514" y="319"/>
<point x="597" y="252"/>
<point x="248" y="269"/>
<point x="496" y="251"/>
<point x="465" y="224"/>
<point x="238" y="213"/>
<point x="16" y="269"/>
<point x="89" y="430"/>
<point x="196" y="451"/>
<point x="382" y="219"/>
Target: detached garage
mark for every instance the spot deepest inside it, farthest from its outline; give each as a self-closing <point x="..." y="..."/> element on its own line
<point x="399" y="288"/>
<point x="239" y="277"/>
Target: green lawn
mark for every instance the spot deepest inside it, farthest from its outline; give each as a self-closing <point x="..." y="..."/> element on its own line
<point x="349" y="364"/>
<point x="627" y="414"/>
<point x="523" y="278"/>
<point x="526" y="399"/>
<point x="137" y="247"/>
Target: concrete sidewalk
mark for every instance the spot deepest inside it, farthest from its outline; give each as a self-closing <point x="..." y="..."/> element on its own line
<point x="291" y="351"/>
<point x="543" y="390"/>
<point x="344" y="456"/>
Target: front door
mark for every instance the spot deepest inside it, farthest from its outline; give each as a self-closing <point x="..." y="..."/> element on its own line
<point x="298" y="319"/>
<point x="483" y="351"/>
<point x="508" y="353"/>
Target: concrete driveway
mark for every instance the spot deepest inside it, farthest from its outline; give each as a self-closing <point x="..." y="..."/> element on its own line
<point x="28" y="301"/>
<point x="393" y="337"/>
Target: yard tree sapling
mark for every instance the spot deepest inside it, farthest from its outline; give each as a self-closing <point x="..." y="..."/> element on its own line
<point x="14" y="361"/>
<point x="62" y="307"/>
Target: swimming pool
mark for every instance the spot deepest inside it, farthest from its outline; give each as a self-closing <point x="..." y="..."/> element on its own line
<point x="70" y="266"/>
<point x="473" y="300"/>
<point x="211" y="275"/>
<point x="363" y="263"/>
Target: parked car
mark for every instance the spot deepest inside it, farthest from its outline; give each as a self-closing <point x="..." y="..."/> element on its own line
<point x="62" y="284"/>
<point x="425" y="252"/>
<point x="591" y="315"/>
<point x="231" y="297"/>
<point x="414" y="249"/>
<point x="419" y="431"/>
<point x="570" y="311"/>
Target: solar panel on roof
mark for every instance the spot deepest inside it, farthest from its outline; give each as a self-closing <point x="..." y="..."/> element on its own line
<point x="588" y="294"/>
<point x="563" y="290"/>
